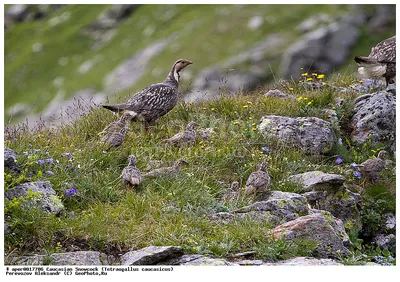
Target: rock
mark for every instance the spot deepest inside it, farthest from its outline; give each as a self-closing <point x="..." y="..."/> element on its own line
<point x="231" y="76"/>
<point x="197" y="260"/>
<point x="302" y="261"/>
<point x="275" y="93"/>
<point x="72" y="258"/>
<point x="310" y="134"/>
<point x="10" y="156"/>
<point x="277" y="207"/>
<point x="151" y="255"/>
<point x="318" y="180"/>
<point x="327" y="231"/>
<point x="387" y="242"/>
<point x="255" y="23"/>
<point x="342" y="204"/>
<point x="375" y="118"/>
<point x="130" y="71"/>
<point x="390" y="222"/>
<point x="46" y="199"/>
<point x="249" y="262"/>
<point x="322" y="50"/>
<point x="17" y="12"/>
<point x="7" y="229"/>
<point x="314" y="22"/>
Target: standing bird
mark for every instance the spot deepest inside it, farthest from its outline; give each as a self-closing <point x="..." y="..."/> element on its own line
<point x="115" y="138"/>
<point x="381" y="62"/>
<point x="259" y="180"/>
<point x="171" y="170"/>
<point x="131" y="174"/>
<point x="372" y="168"/>
<point x="155" y="100"/>
<point x="116" y="126"/>
<point x="187" y="137"/>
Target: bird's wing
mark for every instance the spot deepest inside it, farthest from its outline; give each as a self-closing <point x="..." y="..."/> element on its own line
<point x="148" y="98"/>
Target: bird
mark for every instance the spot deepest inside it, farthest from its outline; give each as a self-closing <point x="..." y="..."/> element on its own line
<point x="372" y="168"/>
<point x="115" y="138"/>
<point x="259" y="180"/>
<point x="131" y="174"/>
<point x="187" y="137"/>
<point x="381" y="62"/>
<point x="171" y="170"/>
<point x="117" y="125"/>
<point x="205" y="133"/>
<point x="155" y="100"/>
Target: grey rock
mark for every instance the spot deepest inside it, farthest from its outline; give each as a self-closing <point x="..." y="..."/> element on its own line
<point x="249" y="262"/>
<point x="17" y="12"/>
<point x="375" y="118"/>
<point x="304" y="261"/>
<point x="198" y="260"/>
<point x="326" y="231"/>
<point x="277" y="207"/>
<point x="342" y="204"/>
<point x="387" y="242"/>
<point x="7" y="229"/>
<point x="10" y="157"/>
<point x="46" y="200"/>
<point x="390" y="222"/>
<point x="275" y="93"/>
<point x="310" y="134"/>
<point x="71" y="258"/>
<point x="151" y="255"/>
<point x="323" y="49"/>
<point x="130" y="71"/>
<point x="314" y="22"/>
<point x="318" y="180"/>
<point x="244" y="254"/>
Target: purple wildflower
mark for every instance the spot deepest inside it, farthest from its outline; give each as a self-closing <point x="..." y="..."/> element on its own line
<point x="36" y="150"/>
<point x="357" y="174"/>
<point x="25" y="153"/>
<point x="69" y="155"/>
<point x="339" y="160"/>
<point x="70" y="192"/>
<point x="41" y="162"/>
<point x="353" y="165"/>
<point x="48" y="172"/>
<point x="69" y="167"/>
<point x="265" y="149"/>
<point x="50" y="160"/>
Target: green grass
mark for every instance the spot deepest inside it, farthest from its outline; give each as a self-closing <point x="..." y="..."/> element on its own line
<point x="206" y="35"/>
<point x="105" y="215"/>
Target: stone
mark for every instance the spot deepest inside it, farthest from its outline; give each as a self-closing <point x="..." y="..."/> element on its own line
<point x="10" y="156"/>
<point x="46" y="199"/>
<point x="198" y="260"/>
<point x="71" y="258"/>
<point x="275" y="93"/>
<point x="310" y="134"/>
<point x="151" y="255"/>
<point x="277" y="207"/>
<point x="387" y="242"/>
<point x="249" y="262"/>
<point x="318" y="180"/>
<point x="322" y="50"/>
<point x="314" y="22"/>
<point x="375" y="118"/>
<point x="327" y="231"/>
<point x="342" y="204"/>
<point x="305" y="261"/>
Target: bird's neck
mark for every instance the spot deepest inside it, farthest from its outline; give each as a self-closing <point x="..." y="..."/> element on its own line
<point x="173" y="77"/>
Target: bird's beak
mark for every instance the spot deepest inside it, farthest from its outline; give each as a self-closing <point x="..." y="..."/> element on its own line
<point x="189" y="62"/>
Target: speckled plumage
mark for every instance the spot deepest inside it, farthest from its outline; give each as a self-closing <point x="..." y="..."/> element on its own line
<point x="171" y="170"/>
<point x="115" y="138"/>
<point x="155" y="100"/>
<point x="381" y="62"/>
<point x="187" y="137"/>
<point x="131" y="174"/>
<point x="372" y="168"/>
<point x="116" y="126"/>
<point x="259" y="180"/>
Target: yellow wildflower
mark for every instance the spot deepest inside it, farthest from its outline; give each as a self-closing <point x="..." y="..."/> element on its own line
<point x="304" y="74"/>
<point x="253" y="124"/>
<point x="309" y="103"/>
<point x="300" y="98"/>
<point x="309" y="79"/>
<point x="250" y="118"/>
<point x="361" y="81"/>
<point x="190" y="103"/>
<point x="290" y="88"/>
<point x="254" y="129"/>
<point x="314" y="74"/>
<point x="204" y="109"/>
<point x="212" y="109"/>
<point x="250" y="103"/>
<point x="245" y="107"/>
<point x="305" y="98"/>
<point x="321" y="76"/>
<point x="236" y="123"/>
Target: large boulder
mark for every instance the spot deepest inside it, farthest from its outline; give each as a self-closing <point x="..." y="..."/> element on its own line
<point x="71" y="258"/>
<point x="310" y="134"/>
<point x="318" y="180"/>
<point x="322" y="50"/>
<point x="277" y="207"/>
<point x="302" y="261"/>
<point x="45" y="198"/>
<point x="375" y="118"/>
<point x="197" y="260"/>
<point x="9" y="157"/>
<point x="325" y="230"/>
<point x="151" y="255"/>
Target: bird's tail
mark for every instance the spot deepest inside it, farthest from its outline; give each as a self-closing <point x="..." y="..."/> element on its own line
<point x="114" y="108"/>
<point x="364" y="60"/>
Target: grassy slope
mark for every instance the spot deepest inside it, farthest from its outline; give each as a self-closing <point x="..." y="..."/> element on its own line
<point x="105" y="215"/>
<point x="29" y="76"/>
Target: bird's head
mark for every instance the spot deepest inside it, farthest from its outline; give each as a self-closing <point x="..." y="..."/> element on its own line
<point x="132" y="160"/>
<point x="180" y="162"/>
<point x="382" y="155"/>
<point x="263" y="166"/>
<point x="181" y="64"/>
<point x="192" y="125"/>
